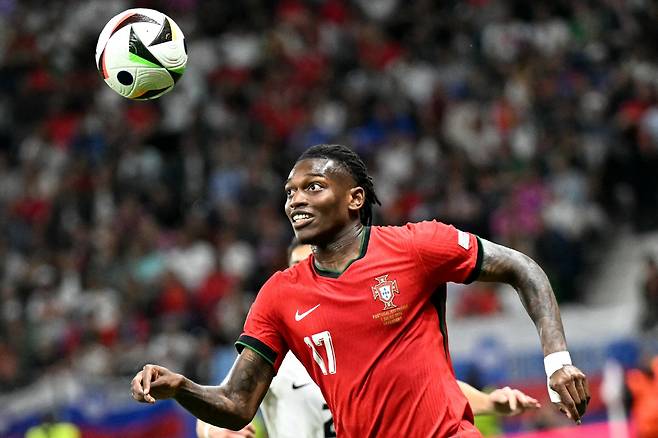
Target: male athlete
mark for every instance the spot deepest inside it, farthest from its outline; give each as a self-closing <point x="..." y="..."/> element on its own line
<point x="366" y="316"/>
<point x="294" y="406"/>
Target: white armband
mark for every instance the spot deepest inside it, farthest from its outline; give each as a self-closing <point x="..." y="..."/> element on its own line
<point x="552" y="363"/>
<point x="206" y="430"/>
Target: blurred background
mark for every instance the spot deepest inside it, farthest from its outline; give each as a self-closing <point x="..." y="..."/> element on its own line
<point x="135" y="232"/>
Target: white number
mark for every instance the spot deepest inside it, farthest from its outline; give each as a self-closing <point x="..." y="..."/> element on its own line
<point x="320" y="339"/>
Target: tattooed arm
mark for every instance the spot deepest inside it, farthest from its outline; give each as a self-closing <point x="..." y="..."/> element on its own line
<point x="231" y="405"/>
<point x="506" y="265"/>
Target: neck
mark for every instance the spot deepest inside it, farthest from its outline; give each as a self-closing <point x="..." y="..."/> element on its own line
<point x="336" y="255"/>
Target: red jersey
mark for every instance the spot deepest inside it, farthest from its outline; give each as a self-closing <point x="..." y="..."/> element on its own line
<point x="374" y="336"/>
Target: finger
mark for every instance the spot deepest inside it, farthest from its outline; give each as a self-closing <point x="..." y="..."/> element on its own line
<point x="249" y="431"/>
<point x="564" y="411"/>
<point x="588" y="395"/>
<point x="136" y="387"/>
<point x="513" y="402"/>
<point x="499" y="396"/>
<point x="573" y="391"/>
<point x="149" y="375"/>
<point x="524" y="400"/>
<point x="567" y="402"/>
<point x="580" y="388"/>
<point x="532" y="402"/>
<point x="584" y="400"/>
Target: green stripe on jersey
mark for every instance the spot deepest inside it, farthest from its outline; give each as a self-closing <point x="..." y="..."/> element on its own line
<point x="260" y="353"/>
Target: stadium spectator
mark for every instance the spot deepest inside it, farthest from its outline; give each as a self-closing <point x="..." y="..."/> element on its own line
<point x="650" y="295"/>
<point x="643" y="385"/>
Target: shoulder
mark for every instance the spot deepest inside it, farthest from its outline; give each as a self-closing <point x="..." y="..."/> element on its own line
<point x="279" y="280"/>
<point x="412" y="229"/>
<point x="282" y="282"/>
<point x="297" y="271"/>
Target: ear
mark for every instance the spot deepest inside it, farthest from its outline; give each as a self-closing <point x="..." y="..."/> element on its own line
<point x="357" y="198"/>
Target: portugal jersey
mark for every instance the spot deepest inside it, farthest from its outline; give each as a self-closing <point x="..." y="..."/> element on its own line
<point x="373" y="337"/>
<point x="294" y="406"/>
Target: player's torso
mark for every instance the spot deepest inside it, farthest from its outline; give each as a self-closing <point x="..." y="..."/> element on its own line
<point x="366" y="335"/>
<point x="294" y="406"/>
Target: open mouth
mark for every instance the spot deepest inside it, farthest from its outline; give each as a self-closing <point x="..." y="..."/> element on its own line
<point x="301" y="219"/>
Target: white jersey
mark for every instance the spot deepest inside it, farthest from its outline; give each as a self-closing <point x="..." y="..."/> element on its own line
<point x="294" y="406"/>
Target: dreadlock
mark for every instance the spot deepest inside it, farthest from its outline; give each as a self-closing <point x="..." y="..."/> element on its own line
<point x="351" y="162"/>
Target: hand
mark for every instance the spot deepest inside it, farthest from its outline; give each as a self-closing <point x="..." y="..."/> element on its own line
<point x="508" y="401"/>
<point x="572" y="386"/>
<point x="205" y="430"/>
<point x="155" y="383"/>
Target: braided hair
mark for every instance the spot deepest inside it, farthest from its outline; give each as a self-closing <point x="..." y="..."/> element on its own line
<point x="355" y="166"/>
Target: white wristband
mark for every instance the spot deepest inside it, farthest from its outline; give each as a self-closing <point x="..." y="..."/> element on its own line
<point x="552" y="363"/>
<point x="206" y="430"/>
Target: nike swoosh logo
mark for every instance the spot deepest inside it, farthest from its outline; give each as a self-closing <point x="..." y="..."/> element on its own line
<point x="299" y="386"/>
<point x="299" y="317"/>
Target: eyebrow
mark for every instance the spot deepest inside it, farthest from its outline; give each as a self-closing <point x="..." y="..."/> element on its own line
<point x="308" y="175"/>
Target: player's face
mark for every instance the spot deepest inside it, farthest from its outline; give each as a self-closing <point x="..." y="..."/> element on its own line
<point x="299" y="253"/>
<point x="321" y="200"/>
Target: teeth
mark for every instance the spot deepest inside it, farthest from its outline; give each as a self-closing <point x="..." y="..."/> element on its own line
<point x="300" y="216"/>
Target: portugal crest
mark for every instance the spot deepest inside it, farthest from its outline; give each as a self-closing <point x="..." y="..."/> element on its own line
<point x="385" y="290"/>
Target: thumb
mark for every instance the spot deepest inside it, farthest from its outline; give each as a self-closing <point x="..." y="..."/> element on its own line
<point x="149" y="374"/>
<point x="565" y="411"/>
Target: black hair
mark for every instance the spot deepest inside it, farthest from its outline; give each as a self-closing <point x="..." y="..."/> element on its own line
<point x="355" y="166"/>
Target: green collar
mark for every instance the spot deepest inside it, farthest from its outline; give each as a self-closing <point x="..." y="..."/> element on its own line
<point x="365" y="238"/>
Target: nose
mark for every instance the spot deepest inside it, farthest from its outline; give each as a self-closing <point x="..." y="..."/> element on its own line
<point x="297" y="199"/>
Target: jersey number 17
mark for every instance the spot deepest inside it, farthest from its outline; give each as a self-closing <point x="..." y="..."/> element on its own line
<point x="320" y="339"/>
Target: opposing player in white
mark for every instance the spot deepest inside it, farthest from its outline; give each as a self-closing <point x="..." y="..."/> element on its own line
<point x="294" y="405"/>
<point x="295" y="408"/>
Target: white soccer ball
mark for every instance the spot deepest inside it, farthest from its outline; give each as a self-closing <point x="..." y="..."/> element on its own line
<point x="141" y="53"/>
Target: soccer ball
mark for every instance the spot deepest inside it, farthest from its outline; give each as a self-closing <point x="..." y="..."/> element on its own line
<point x="141" y="53"/>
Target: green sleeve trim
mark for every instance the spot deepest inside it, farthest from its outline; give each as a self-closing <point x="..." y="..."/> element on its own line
<point x="256" y="346"/>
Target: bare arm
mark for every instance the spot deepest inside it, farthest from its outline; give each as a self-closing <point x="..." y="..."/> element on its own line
<point x="232" y="404"/>
<point x="478" y="400"/>
<point x="205" y="430"/>
<point x="506" y="265"/>
<point x="503" y="401"/>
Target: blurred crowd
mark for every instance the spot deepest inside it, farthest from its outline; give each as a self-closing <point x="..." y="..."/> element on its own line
<point x="141" y="231"/>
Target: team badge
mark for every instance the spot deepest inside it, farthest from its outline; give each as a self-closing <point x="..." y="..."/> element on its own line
<point x="385" y="290"/>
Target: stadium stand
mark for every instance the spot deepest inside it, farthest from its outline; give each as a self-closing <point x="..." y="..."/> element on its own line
<point x="140" y="232"/>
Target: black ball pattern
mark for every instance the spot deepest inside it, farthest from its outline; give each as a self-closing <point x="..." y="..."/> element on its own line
<point x="125" y="77"/>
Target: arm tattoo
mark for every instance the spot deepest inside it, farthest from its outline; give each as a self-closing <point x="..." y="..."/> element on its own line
<point x="506" y="265"/>
<point x="234" y="403"/>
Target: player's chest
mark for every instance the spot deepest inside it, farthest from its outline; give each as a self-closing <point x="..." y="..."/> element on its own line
<point x="365" y="303"/>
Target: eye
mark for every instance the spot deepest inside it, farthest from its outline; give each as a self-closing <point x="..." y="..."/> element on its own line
<point x="314" y="186"/>
<point x="288" y="192"/>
